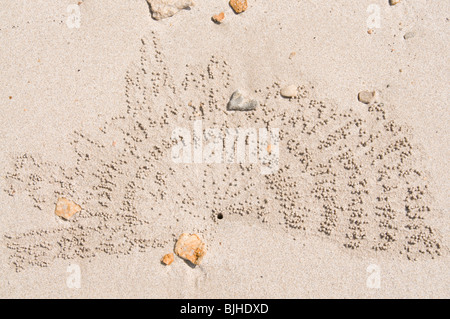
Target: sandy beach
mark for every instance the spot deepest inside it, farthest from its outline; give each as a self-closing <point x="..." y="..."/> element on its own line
<point x="305" y="143"/>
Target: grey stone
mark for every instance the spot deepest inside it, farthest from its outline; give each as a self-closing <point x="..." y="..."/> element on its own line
<point x="238" y="102"/>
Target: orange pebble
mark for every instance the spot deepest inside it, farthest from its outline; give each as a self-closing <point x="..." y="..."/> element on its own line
<point x="218" y="18"/>
<point x="66" y="208"/>
<point x="167" y="259"/>
<point x="239" y="6"/>
<point x="190" y="247"/>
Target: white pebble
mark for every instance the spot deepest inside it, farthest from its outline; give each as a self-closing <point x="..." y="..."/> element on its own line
<point x="289" y="91"/>
<point x="162" y="9"/>
<point x="367" y="97"/>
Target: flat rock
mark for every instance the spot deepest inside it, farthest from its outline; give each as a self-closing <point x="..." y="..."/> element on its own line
<point x="66" y="208"/>
<point x="367" y="97"/>
<point x="162" y="9"/>
<point x="239" y="6"/>
<point x="289" y="91"/>
<point x="190" y="247"/>
<point x="238" y="102"/>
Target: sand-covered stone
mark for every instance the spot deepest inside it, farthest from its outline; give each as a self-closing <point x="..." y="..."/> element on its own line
<point x="66" y="208"/>
<point x="162" y="9"/>
<point x="239" y="102"/>
<point x="239" y="6"/>
<point x="190" y="247"/>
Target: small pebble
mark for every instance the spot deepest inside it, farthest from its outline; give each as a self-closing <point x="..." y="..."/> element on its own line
<point x="190" y="247"/>
<point x="66" y="208"/>
<point x="367" y="97"/>
<point x="409" y="35"/>
<point x="218" y="18"/>
<point x="167" y="259"/>
<point x="289" y="91"/>
<point x="162" y="9"/>
<point x="393" y="2"/>
<point x="238" y="102"/>
<point x="239" y="6"/>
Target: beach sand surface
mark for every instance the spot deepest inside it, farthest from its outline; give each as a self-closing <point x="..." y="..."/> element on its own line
<point x="357" y="209"/>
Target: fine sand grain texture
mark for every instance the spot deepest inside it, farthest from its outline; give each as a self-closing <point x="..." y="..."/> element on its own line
<point x="346" y="196"/>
